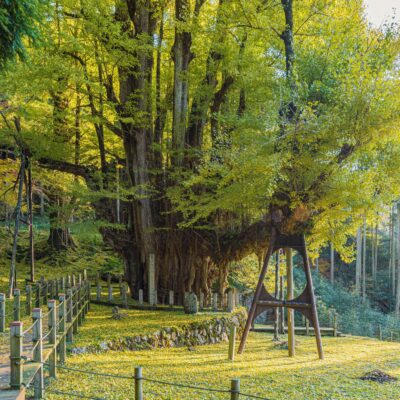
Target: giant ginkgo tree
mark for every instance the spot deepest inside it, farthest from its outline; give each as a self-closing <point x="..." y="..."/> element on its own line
<point x="194" y="119"/>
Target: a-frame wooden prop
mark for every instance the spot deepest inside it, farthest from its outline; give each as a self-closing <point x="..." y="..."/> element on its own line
<point x="305" y="303"/>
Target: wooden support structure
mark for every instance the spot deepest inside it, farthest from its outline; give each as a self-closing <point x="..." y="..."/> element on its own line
<point x="305" y="303"/>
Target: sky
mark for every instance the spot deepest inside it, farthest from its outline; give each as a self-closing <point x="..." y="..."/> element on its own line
<point x="379" y="10"/>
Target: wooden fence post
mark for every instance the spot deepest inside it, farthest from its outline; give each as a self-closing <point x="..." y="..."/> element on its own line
<point x="73" y="282"/>
<point x="98" y="291"/>
<point x="17" y="305"/>
<point x="16" y="373"/>
<point x="138" y="384"/>
<point x="85" y="275"/>
<point x="70" y="333"/>
<point x="69" y="282"/>
<point x="235" y="389"/>
<point x="75" y="310"/>
<point x="124" y="295"/>
<point x="171" y="298"/>
<point x="57" y="287"/>
<point x="109" y="287"/>
<point x="232" y="338"/>
<point x="307" y="327"/>
<point x="88" y="296"/>
<point x="2" y="312"/>
<point x="37" y="341"/>
<point x="215" y="301"/>
<point x="120" y="285"/>
<point x="28" y="308"/>
<point x="335" y="324"/>
<point x="79" y="279"/>
<point x="62" y="284"/>
<point x="79" y="307"/>
<point x="231" y="301"/>
<point x="62" y="315"/>
<point x="45" y="292"/>
<point x="37" y="295"/>
<point x="201" y="301"/>
<point x="380" y="332"/>
<point x="53" y="337"/>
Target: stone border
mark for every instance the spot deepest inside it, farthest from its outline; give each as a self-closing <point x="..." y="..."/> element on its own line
<point x="211" y="331"/>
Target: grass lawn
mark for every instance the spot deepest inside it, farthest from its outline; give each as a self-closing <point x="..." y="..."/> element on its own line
<point x="263" y="369"/>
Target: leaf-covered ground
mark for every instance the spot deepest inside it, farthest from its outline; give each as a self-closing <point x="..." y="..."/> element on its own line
<point x="263" y="369"/>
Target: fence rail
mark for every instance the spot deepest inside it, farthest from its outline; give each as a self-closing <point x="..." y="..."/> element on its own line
<point x="32" y="348"/>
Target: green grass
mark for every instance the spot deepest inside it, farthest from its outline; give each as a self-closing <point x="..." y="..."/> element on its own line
<point x="263" y="369"/>
<point x="99" y="326"/>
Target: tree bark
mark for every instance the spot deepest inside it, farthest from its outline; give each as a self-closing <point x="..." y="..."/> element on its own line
<point x="332" y="264"/>
<point x="13" y="268"/>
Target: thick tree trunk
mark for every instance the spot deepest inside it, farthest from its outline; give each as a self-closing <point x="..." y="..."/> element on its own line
<point x="59" y="235"/>
<point x="13" y="268"/>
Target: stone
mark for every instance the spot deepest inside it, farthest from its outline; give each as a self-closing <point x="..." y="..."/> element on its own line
<point x="191" y="305"/>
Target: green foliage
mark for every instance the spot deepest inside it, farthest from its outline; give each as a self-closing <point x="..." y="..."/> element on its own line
<point x="18" y="21"/>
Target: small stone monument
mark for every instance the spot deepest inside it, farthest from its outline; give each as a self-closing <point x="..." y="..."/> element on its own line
<point x="191" y="306"/>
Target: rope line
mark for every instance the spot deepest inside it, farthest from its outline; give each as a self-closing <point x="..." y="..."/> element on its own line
<point x="28" y="329"/>
<point x="187" y="386"/>
<point x="93" y="373"/>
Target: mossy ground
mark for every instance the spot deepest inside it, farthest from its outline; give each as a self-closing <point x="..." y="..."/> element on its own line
<point x="263" y="369"/>
<point x="99" y="326"/>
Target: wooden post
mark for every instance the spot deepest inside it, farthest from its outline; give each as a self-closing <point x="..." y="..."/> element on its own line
<point x="124" y="295"/>
<point x="79" y="279"/>
<point x="380" y="332"/>
<point x="141" y="297"/>
<point x="289" y="296"/>
<point x="171" y="298"/>
<point x="138" y="384"/>
<point x="62" y="288"/>
<point x="151" y="278"/>
<point x="69" y="281"/>
<point x="70" y="333"/>
<point x="37" y="341"/>
<point x="201" y="301"/>
<point x="235" y="389"/>
<point x="232" y="338"/>
<point x="53" y="337"/>
<point x="215" y="301"/>
<point x="282" y="309"/>
<point x="16" y="373"/>
<point x="85" y="275"/>
<point x="73" y="281"/>
<point x="62" y="315"/>
<point x="231" y="301"/>
<point x="120" y="285"/>
<point x="37" y="295"/>
<point x="335" y="324"/>
<point x="28" y="308"/>
<point x="45" y="292"/>
<point x="2" y="312"/>
<point x="98" y="291"/>
<point x="307" y="327"/>
<point x="57" y="288"/>
<point x="75" y="310"/>
<point x="88" y="296"/>
<point x="110" y="293"/>
<point x="17" y="304"/>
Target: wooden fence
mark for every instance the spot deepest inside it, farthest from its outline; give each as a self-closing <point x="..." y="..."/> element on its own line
<point x="36" y="346"/>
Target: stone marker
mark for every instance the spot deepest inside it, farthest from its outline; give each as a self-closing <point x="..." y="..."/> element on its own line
<point x="191" y="305"/>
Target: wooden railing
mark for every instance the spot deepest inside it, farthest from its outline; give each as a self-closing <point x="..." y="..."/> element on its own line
<point x="33" y="348"/>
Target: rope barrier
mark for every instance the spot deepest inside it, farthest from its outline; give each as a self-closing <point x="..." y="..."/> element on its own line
<point x="187" y="386"/>
<point x="252" y="396"/>
<point x="93" y="373"/>
<point x="28" y="329"/>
